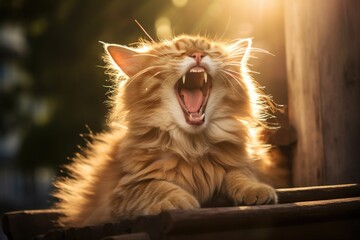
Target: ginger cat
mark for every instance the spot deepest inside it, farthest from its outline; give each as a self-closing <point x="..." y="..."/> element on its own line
<point x="183" y="127"/>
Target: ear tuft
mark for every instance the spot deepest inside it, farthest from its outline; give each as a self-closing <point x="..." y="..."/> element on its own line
<point x="242" y="49"/>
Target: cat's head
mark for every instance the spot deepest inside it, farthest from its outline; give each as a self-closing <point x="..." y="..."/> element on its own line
<point x="187" y="83"/>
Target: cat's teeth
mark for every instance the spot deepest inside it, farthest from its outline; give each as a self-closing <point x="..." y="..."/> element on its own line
<point x="183" y="78"/>
<point x="205" y="77"/>
<point x="201" y="118"/>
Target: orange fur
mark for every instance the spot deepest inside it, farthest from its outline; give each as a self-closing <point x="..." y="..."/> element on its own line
<point x="150" y="159"/>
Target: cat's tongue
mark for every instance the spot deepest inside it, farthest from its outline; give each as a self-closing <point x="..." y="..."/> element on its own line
<point x="193" y="99"/>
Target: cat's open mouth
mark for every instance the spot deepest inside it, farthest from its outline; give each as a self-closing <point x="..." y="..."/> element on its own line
<point x="192" y="91"/>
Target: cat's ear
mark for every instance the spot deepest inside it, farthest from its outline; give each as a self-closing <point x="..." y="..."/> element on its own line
<point x="128" y="59"/>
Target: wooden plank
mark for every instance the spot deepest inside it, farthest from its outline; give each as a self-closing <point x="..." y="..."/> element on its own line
<point x="290" y="195"/>
<point x="89" y="232"/>
<point x="329" y="230"/>
<point x="245" y="217"/>
<point x="327" y="219"/>
<point x="323" y="63"/>
<point x="132" y="236"/>
<point x="27" y="224"/>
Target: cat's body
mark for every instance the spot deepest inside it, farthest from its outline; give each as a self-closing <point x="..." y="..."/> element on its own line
<point x="182" y="128"/>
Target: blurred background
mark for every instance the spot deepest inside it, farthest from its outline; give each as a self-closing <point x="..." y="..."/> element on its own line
<point x="52" y="87"/>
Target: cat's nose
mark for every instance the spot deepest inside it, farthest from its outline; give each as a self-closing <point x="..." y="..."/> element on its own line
<point x="197" y="56"/>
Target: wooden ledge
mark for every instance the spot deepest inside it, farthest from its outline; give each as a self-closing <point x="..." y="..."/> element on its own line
<point x="325" y="212"/>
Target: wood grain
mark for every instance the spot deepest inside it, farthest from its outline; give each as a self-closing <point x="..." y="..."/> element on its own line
<point x="323" y="63"/>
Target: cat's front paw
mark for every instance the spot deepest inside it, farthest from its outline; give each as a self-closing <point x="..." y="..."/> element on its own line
<point x="176" y="200"/>
<point x="256" y="194"/>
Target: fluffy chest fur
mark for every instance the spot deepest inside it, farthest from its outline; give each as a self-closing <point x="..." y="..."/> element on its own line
<point x="201" y="178"/>
<point x="192" y="162"/>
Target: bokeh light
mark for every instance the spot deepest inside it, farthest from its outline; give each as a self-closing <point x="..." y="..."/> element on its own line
<point x="163" y="28"/>
<point x="179" y="3"/>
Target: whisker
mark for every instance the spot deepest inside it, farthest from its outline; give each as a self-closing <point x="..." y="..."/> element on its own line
<point x="236" y="58"/>
<point x="226" y="81"/>
<point x="260" y="50"/>
<point x="141" y="104"/>
<point x="171" y="75"/>
<point x="235" y="79"/>
<point x="157" y="73"/>
<point x="147" y="54"/>
<point x="248" y="71"/>
<point x="142" y="72"/>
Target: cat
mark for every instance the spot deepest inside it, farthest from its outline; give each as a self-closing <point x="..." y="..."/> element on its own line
<point x="183" y="127"/>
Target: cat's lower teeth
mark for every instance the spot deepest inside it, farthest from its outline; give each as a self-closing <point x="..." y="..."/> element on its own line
<point x="196" y="117"/>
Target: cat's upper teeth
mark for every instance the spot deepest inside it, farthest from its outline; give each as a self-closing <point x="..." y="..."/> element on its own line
<point x="205" y="76"/>
<point x="196" y="69"/>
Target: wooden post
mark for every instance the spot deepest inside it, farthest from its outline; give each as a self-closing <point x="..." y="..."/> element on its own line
<point x="323" y="63"/>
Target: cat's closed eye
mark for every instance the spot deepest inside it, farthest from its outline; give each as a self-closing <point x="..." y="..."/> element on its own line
<point x="214" y="53"/>
<point x="177" y="54"/>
